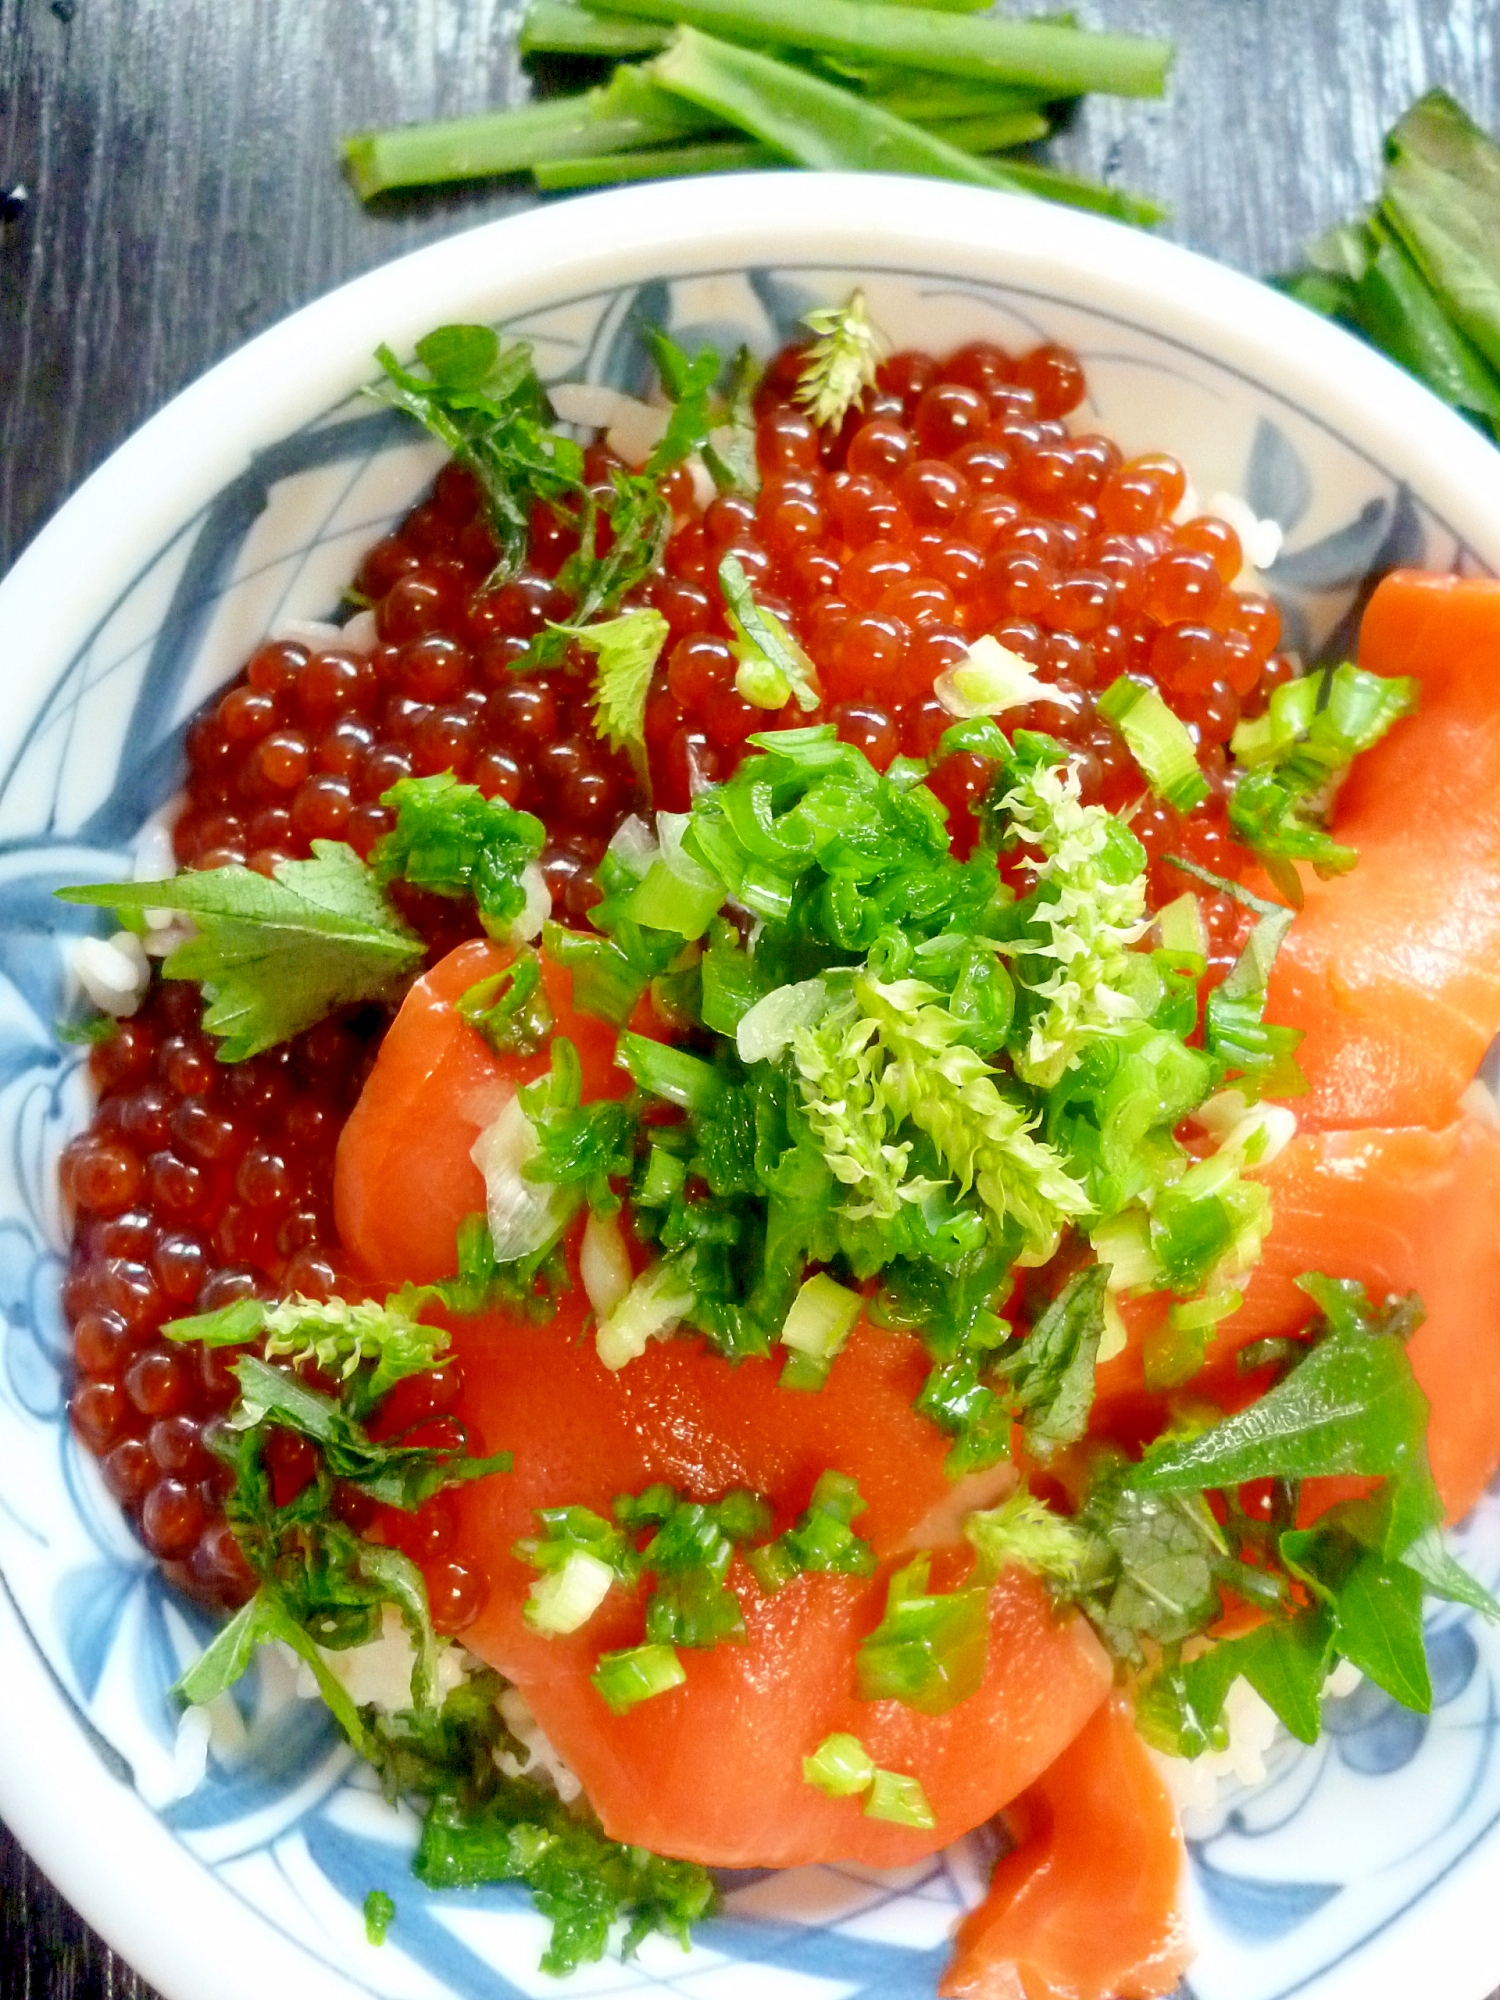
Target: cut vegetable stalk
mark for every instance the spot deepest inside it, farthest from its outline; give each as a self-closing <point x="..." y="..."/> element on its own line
<point x="553" y="27"/>
<point x="991" y="131"/>
<point x="656" y="163"/>
<point x="1061" y="61"/>
<point x="814" y="123"/>
<point x="820" y="1321"/>
<point x="1157" y="740"/>
<point x="1049" y="184"/>
<point x="637" y="1674"/>
<point x="607" y="120"/>
<point x="927" y="100"/>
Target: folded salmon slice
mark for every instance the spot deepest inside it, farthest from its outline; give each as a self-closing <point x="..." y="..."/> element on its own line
<point x="403" y="1180"/>
<point x="1087" y="1906"/>
<point x="712" y="1770"/>
<point x="1393" y="971"/>
<point x="1410" y="1210"/>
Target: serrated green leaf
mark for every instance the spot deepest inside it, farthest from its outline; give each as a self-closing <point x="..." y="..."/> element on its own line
<point x="276" y="955"/>
<point x="1353" y="1405"/>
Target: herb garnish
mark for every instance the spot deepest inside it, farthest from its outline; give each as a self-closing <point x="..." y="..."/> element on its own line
<point x="275" y="955"/>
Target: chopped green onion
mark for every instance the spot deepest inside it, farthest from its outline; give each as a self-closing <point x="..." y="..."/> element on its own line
<point x="525" y="1216"/>
<point x="666" y="1071"/>
<point x="604" y="1263"/>
<point x="636" y="1674"/>
<point x="840" y="1766"/>
<point x="677" y="893"/>
<point x="1192" y="1315"/>
<point x="821" y="1319"/>
<point x="1123" y="1242"/>
<point x="380" y="1914"/>
<point x="1180" y="926"/>
<point x="927" y="1651"/>
<point x="990" y="679"/>
<point x="561" y="1600"/>
<point x="822" y="1540"/>
<point x="767" y="1028"/>
<point x="1045" y="56"/>
<point x="1209" y="1220"/>
<point x="605" y="983"/>
<point x="1314" y="726"/>
<point x="1158" y="741"/>
<point x="510" y="1009"/>
<point x="655" y="163"/>
<point x="900" y="1799"/>
<point x="663" y="1178"/>
<point x="651" y="1308"/>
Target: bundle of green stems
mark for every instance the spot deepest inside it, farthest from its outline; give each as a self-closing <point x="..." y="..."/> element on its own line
<point x="712" y="86"/>
<point x="1419" y="276"/>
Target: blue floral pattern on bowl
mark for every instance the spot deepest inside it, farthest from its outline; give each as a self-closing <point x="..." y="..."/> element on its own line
<point x="1290" y="1882"/>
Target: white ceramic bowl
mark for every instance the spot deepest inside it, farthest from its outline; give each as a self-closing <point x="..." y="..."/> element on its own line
<point x="1360" y="1867"/>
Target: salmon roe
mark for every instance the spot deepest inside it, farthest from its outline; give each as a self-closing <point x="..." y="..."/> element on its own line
<point x="955" y="501"/>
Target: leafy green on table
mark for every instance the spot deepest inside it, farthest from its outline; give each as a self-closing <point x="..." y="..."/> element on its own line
<point x="1420" y="276"/>
<point x="275" y="955"/>
<point x="1441" y="195"/>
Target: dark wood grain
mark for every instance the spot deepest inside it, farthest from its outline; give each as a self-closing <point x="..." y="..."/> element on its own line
<point x="182" y="193"/>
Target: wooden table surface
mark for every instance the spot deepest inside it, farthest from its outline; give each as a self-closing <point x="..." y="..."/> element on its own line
<point x="181" y="193"/>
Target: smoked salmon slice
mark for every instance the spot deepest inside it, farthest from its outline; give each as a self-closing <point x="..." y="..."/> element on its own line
<point x="712" y="1771"/>
<point x="1393" y="971"/>
<point x="403" y="1180"/>
<point x="1410" y="1210"/>
<point x="1404" y="1211"/>
<point x="1087" y="1906"/>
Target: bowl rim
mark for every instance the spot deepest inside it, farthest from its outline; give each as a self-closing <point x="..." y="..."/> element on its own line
<point x="298" y="369"/>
